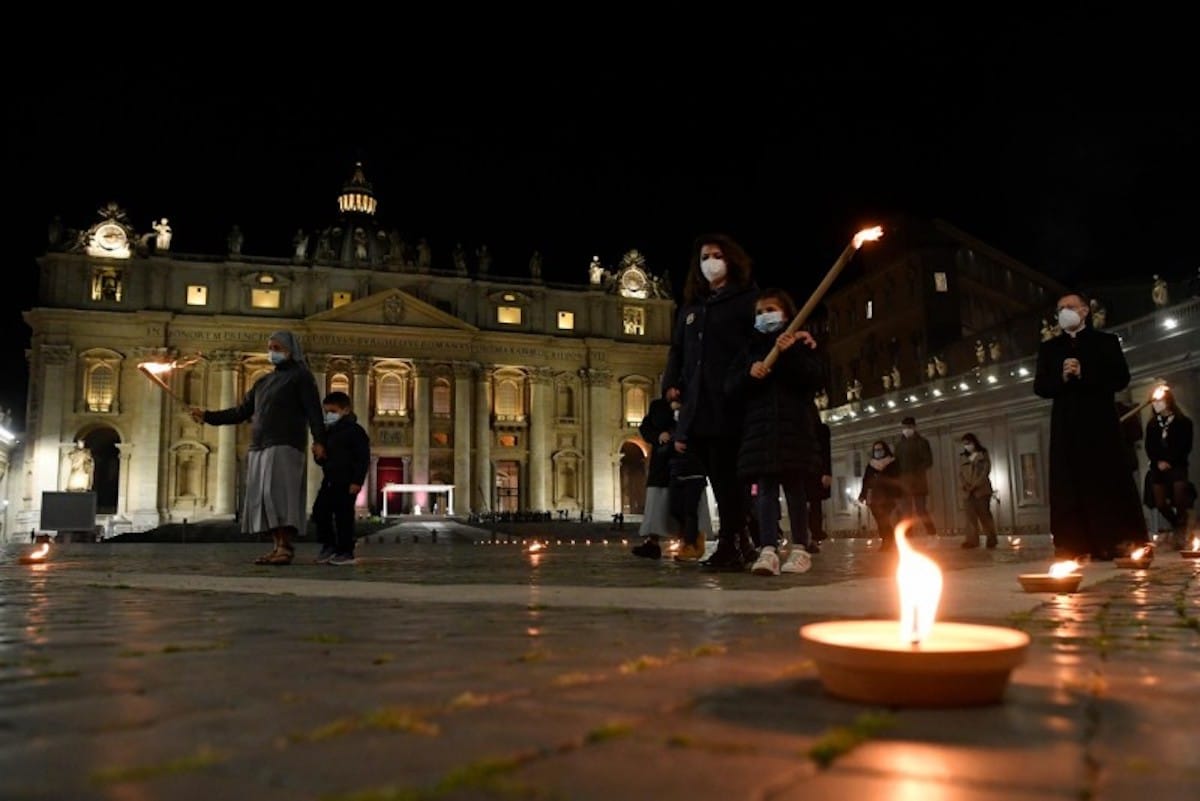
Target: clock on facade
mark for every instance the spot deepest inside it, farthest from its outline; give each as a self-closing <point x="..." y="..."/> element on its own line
<point x="634" y="283"/>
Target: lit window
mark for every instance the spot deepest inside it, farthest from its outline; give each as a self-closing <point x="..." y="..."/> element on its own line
<point x="508" y="399"/>
<point x="507" y="440"/>
<point x="940" y="283"/>
<point x="266" y="278"/>
<point x="870" y="309"/>
<point x="391" y="395"/>
<point x="508" y="315"/>
<point x="634" y="318"/>
<point x="566" y="321"/>
<point x="106" y="285"/>
<point x="342" y="298"/>
<point x="340" y="382"/>
<point x="635" y="404"/>
<point x="441" y="397"/>
<point x="197" y="295"/>
<point x="100" y="386"/>
<point x="441" y="439"/>
<point x="264" y="298"/>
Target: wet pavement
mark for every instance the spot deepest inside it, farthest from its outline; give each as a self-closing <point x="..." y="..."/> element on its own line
<point x="459" y="670"/>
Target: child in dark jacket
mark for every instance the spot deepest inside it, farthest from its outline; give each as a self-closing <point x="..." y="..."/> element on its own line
<point x="347" y="458"/>
<point x="779" y="444"/>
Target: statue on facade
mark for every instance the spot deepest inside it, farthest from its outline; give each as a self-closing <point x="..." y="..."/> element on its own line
<point x="324" y="249"/>
<point x="360" y="244"/>
<point x="853" y="391"/>
<point x="55" y="231"/>
<point x="940" y="365"/>
<point x="821" y="399"/>
<point x="395" y="252"/>
<point x="162" y="235"/>
<point x="931" y="369"/>
<point x="887" y="382"/>
<point x="1047" y="330"/>
<point x="82" y="469"/>
<point x="595" y="272"/>
<point x="424" y="255"/>
<point x="1099" y="314"/>
<point x="895" y="377"/>
<point x="234" y="241"/>
<point x="994" y="351"/>
<point x="300" y="245"/>
<point x="460" y="259"/>
<point x="535" y="266"/>
<point x="980" y="353"/>
<point x="485" y="259"/>
<point x="1159" y="293"/>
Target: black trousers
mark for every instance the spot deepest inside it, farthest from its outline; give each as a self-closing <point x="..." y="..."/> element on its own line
<point x="718" y="457"/>
<point x="333" y="512"/>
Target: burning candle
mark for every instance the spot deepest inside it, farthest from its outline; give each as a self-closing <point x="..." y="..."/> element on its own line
<point x="1139" y="558"/>
<point x="929" y="664"/>
<point x="1061" y="577"/>
<point x="36" y="557"/>
<point x="1194" y="551"/>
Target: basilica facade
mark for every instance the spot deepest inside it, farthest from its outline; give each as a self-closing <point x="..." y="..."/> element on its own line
<point x="480" y="392"/>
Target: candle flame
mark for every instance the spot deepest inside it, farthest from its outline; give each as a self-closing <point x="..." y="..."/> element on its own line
<point x="867" y="235"/>
<point x="920" y="582"/>
<point x="40" y="553"/>
<point x="1196" y="543"/>
<point x="535" y="547"/>
<point x="1061" y="569"/>
<point x="1138" y="554"/>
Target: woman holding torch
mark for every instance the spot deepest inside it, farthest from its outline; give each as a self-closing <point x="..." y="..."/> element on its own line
<point x="280" y="406"/>
<point x="1168" y="445"/>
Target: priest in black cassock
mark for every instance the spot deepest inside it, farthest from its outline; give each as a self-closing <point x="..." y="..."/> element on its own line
<point x="1094" y="504"/>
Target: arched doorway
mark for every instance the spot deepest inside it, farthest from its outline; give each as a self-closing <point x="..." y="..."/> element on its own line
<point x="633" y="478"/>
<point x="102" y="442"/>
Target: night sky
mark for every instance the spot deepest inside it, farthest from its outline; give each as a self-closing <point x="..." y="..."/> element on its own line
<point x="1068" y="142"/>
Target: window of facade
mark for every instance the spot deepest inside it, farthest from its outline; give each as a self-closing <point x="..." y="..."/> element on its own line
<point x="341" y="299"/>
<point x="264" y="298"/>
<point x="392" y="397"/>
<point x="340" y="382"/>
<point x="197" y="295"/>
<point x="101" y="388"/>
<point x="508" y="315"/>
<point x="441" y="397"/>
<point x="566" y="321"/>
<point x="634" y="320"/>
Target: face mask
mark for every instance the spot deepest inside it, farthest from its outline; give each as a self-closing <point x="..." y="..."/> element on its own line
<point x="768" y="321"/>
<point x="908" y="432"/>
<point x="1159" y="406"/>
<point x="877" y="453"/>
<point x="332" y="417"/>
<point x="277" y="356"/>
<point x="1069" y="319"/>
<point x="713" y="269"/>
<point x="968" y="447"/>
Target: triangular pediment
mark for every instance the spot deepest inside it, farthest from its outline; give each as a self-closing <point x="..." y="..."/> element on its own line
<point x="392" y="307"/>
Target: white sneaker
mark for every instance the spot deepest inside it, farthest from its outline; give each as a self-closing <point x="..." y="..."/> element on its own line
<point x="767" y="563"/>
<point x="798" y="561"/>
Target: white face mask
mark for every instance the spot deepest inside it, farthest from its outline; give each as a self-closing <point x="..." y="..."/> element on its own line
<point x="908" y="432"/>
<point x="277" y="356"/>
<point x="968" y="447"/>
<point x="713" y="269"/>
<point x="1159" y="407"/>
<point x="332" y="417"/>
<point x="768" y="321"/>
<point x="1069" y="319"/>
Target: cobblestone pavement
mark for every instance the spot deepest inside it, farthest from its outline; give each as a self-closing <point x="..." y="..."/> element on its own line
<point x="463" y="671"/>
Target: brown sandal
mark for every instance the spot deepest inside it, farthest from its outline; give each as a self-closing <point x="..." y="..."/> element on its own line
<point x="281" y="556"/>
<point x="266" y="558"/>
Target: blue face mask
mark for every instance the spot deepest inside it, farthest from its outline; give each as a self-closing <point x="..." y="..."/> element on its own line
<point x="277" y="356"/>
<point x="332" y="417"/>
<point x="768" y="322"/>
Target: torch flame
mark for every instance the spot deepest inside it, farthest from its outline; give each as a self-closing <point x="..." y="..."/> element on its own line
<point x="1138" y="554"/>
<point x="1061" y="569"/>
<point x="157" y="368"/>
<point x="920" y="582"/>
<point x="867" y="235"/>
<point x="40" y="553"/>
<point x="1159" y="391"/>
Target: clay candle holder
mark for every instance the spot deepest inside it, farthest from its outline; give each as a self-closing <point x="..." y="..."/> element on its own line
<point x="916" y="662"/>
<point x="1141" y="558"/>
<point x="1194" y="551"/>
<point x="35" y="557"/>
<point x="1061" y="577"/>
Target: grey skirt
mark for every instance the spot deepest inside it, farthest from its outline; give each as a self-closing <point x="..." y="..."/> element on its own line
<point x="275" y="490"/>
<point x="657" y="519"/>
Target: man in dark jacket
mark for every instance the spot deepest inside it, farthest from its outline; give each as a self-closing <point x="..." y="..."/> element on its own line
<point x="347" y="458"/>
<point x="914" y="457"/>
<point x="817" y="484"/>
<point x="1093" y="498"/>
<point x="713" y="325"/>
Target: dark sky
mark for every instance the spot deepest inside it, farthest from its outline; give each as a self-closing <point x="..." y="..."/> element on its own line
<point x="1067" y="141"/>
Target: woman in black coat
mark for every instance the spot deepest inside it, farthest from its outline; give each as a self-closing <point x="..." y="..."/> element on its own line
<point x="779" y="446"/>
<point x="881" y="489"/>
<point x="656" y="429"/>
<point x="1168" y="445"/>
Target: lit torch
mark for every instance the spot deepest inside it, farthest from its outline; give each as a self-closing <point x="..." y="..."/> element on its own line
<point x="156" y="372"/>
<point x="865" y="235"/>
<point x="1159" y="392"/>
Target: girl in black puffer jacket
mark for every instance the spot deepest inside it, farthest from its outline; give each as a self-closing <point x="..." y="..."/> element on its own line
<point x="779" y="444"/>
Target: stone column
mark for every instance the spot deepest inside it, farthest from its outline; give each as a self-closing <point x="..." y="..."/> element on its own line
<point x="463" y="374"/>
<point x="541" y="425"/>
<point x="145" y="463"/>
<point x="49" y="435"/>
<point x="482" y="491"/>
<point x="599" y="425"/>
<point x="362" y="390"/>
<point x="226" y="364"/>
<point x="422" y="411"/>
<point x="318" y="364"/>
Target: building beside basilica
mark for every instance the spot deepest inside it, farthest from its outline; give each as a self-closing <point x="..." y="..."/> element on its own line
<point x="480" y="392"/>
